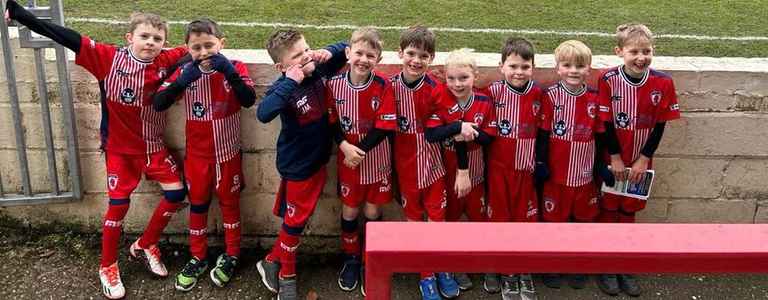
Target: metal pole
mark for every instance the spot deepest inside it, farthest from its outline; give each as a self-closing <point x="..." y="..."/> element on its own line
<point x="10" y="71"/>
<point x="45" y="111"/>
<point x="67" y="104"/>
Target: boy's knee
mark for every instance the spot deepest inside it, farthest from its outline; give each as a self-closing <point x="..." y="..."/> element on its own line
<point x="175" y="196"/>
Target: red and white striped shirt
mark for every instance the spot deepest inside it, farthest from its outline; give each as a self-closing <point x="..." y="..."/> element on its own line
<point x="636" y="108"/>
<point x="359" y="109"/>
<point x="213" y="115"/>
<point x="479" y="109"/>
<point x="129" y="125"/>
<point x="416" y="160"/>
<point x="573" y="121"/>
<point x="517" y="118"/>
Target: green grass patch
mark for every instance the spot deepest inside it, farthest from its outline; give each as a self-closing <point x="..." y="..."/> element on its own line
<point x="711" y="18"/>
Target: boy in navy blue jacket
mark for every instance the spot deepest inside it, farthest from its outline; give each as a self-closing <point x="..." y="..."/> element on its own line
<point x="303" y="147"/>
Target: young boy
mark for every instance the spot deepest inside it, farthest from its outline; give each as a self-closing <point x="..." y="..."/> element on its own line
<point x="362" y="108"/>
<point x="418" y="163"/>
<point x="570" y="124"/>
<point x="303" y="147"/>
<point x="635" y="103"/>
<point x="460" y="104"/>
<point x="511" y="155"/>
<point x="131" y="131"/>
<point x="214" y="89"/>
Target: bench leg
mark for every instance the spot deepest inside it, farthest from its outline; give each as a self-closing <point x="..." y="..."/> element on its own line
<point x="378" y="282"/>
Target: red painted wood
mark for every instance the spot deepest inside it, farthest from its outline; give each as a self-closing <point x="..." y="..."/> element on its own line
<point x="407" y="247"/>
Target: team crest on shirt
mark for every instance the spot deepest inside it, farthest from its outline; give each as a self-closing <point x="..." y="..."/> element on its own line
<point x="655" y="97"/>
<point x="343" y="190"/>
<point x="198" y="109"/>
<point x="112" y="181"/>
<point x="128" y="96"/>
<point x="403" y="123"/>
<point x="340" y="101"/>
<point x="536" y="107"/>
<point x="560" y="128"/>
<point x="346" y="124"/>
<point x="616" y="98"/>
<point x="505" y="128"/>
<point x="478" y="118"/>
<point x="622" y="120"/>
<point x="591" y="107"/>
<point x="161" y="72"/>
<point x="375" y="102"/>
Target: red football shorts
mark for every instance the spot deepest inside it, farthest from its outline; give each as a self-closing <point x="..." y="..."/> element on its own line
<point x="296" y="200"/>
<point x="563" y="203"/>
<point x="124" y="171"/>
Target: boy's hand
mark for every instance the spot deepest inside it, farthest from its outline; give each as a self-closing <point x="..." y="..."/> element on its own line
<point x="220" y="63"/>
<point x="352" y="154"/>
<point x="321" y="56"/>
<point x="468" y="131"/>
<point x="458" y="138"/>
<point x="294" y="72"/>
<point x="618" y="168"/>
<point x="606" y="175"/>
<point x="7" y="17"/>
<point x="189" y="73"/>
<point x="638" y="169"/>
<point x="463" y="184"/>
<point x="540" y="172"/>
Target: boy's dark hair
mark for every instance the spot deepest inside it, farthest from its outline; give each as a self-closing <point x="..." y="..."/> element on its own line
<point x="200" y="26"/>
<point x="150" y="19"/>
<point x="418" y="36"/>
<point x="280" y="41"/>
<point x="519" y="46"/>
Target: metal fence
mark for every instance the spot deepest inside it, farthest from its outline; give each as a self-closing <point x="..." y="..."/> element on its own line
<point x="54" y="192"/>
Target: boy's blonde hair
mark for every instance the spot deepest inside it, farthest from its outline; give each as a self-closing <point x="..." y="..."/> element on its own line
<point x="573" y="51"/>
<point x="461" y="58"/>
<point x="280" y="41"/>
<point x="418" y="36"/>
<point x="150" y="19"/>
<point x="368" y="35"/>
<point x="631" y="31"/>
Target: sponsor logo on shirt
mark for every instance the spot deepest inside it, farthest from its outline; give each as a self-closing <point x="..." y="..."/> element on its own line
<point x="346" y="124"/>
<point x="128" y="96"/>
<point x="622" y="120"/>
<point x="198" y="110"/>
<point x="560" y="128"/>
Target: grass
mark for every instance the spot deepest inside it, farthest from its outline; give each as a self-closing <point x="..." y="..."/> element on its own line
<point x="713" y="18"/>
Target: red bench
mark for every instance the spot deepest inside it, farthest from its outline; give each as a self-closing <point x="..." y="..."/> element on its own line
<point x="404" y="247"/>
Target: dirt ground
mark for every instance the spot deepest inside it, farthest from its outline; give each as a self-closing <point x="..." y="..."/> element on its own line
<point x="58" y="263"/>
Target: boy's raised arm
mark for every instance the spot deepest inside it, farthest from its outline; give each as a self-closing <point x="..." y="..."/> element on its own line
<point x="59" y="34"/>
<point x="337" y="61"/>
<point x="172" y="88"/>
<point x="275" y="99"/>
